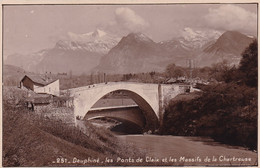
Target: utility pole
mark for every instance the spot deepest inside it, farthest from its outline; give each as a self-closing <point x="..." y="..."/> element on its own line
<point x="104" y="77"/>
<point x="190" y="65"/>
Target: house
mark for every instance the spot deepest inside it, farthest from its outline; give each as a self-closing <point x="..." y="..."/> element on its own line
<point x="40" y="84"/>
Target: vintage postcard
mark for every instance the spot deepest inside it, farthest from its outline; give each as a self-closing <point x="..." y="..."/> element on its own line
<point x="129" y="83"/>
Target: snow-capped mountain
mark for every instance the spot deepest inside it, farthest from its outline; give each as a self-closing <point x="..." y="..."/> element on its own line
<point x="137" y="53"/>
<point x="97" y="41"/>
<point x="79" y="52"/>
<point x="196" y="39"/>
<point x="190" y="39"/>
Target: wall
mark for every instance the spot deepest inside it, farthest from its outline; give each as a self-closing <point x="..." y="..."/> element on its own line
<point x="53" y="88"/>
<point x="56" y="111"/>
<point x="27" y="83"/>
<point x="171" y="91"/>
<point x="64" y="114"/>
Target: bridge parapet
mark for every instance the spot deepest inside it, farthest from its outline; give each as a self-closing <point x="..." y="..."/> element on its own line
<point x="100" y="85"/>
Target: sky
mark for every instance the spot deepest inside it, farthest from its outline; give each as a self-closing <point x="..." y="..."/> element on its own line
<point x="31" y="28"/>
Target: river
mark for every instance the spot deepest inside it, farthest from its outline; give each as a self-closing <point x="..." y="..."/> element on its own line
<point x="179" y="150"/>
<point x="191" y="150"/>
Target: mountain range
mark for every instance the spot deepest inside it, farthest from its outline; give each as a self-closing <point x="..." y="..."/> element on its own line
<point x="138" y="53"/>
<point x="99" y="51"/>
<point x="78" y="53"/>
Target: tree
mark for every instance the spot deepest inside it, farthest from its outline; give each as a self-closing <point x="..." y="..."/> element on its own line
<point x="219" y="69"/>
<point x="230" y="75"/>
<point x="248" y="65"/>
<point x="152" y="73"/>
<point x="174" y="71"/>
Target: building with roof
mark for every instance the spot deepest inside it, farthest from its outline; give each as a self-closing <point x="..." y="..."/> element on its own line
<point x="40" y="84"/>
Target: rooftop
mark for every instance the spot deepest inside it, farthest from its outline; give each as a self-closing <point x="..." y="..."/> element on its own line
<point x="40" y="79"/>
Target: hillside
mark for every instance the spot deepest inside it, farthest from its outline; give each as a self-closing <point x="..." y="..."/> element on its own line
<point x="11" y="70"/>
<point x="229" y="46"/>
<point x="12" y="75"/>
<point x="21" y="152"/>
<point x="30" y="140"/>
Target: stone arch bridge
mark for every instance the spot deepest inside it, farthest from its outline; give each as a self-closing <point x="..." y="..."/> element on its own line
<point x="151" y="98"/>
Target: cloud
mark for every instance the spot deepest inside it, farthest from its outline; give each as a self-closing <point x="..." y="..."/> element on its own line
<point x="231" y="17"/>
<point x="129" y="21"/>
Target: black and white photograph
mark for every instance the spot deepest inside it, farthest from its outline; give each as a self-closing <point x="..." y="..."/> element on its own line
<point x="129" y="83"/>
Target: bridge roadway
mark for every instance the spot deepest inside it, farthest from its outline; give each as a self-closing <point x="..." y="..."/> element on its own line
<point x="130" y="113"/>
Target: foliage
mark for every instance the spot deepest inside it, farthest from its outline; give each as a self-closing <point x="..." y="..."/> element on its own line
<point x="221" y="71"/>
<point x="248" y="65"/>
<point x="220" y="112"/>
<point x="226" y="111"/>
<point x="174" y="71"/>
<point x="246" y="73"/>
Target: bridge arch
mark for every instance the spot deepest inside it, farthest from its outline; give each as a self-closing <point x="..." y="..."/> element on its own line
<point x="121" y="126"/>
<point x="131" y="113"/>
<point x="84" y="101"/>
